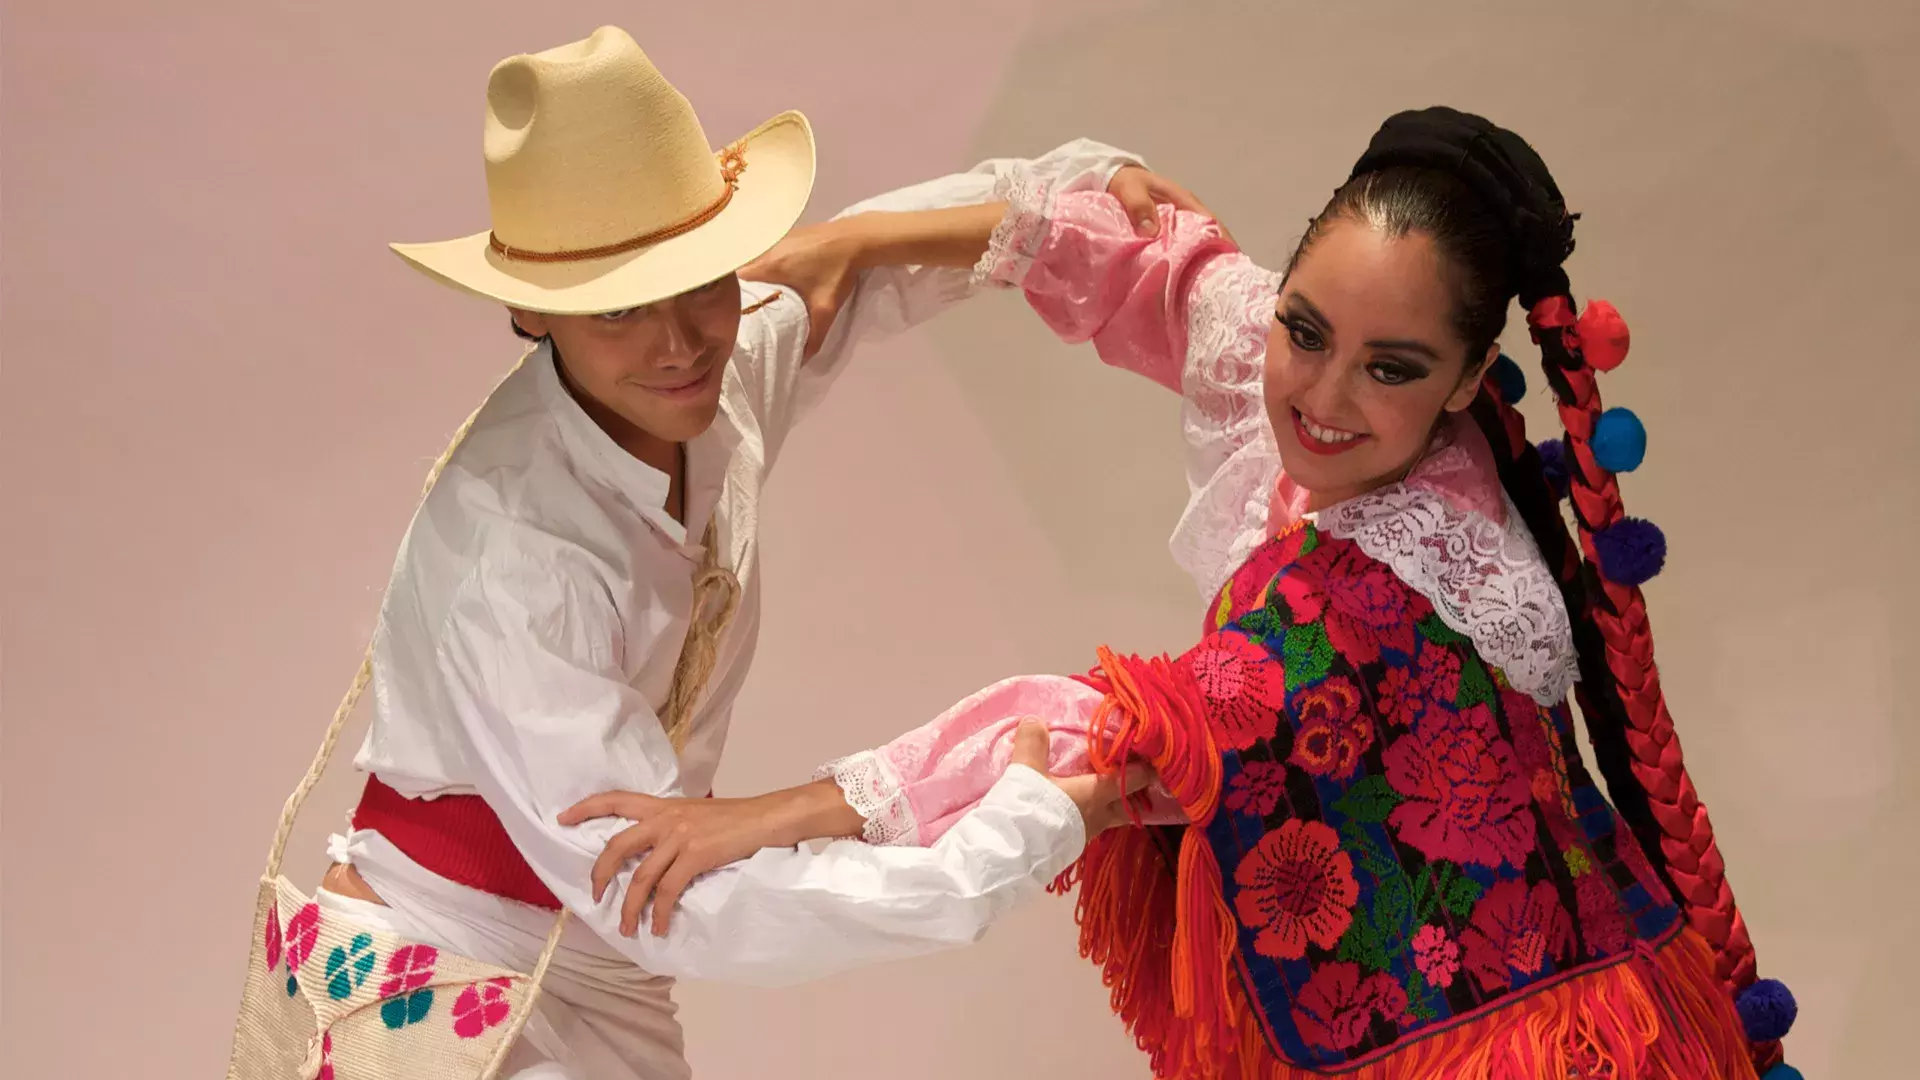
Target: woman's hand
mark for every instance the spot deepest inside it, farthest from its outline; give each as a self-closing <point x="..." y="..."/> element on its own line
<point x="1140" y="191"/>
<point x="684" y="838"/>
<point x="1102" y="799"/>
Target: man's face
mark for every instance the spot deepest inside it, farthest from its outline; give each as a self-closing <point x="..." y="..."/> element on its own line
<point x="656" y="368"/>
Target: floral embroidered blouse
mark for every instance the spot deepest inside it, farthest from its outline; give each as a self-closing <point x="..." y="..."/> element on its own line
<point x="1406" y="837"/>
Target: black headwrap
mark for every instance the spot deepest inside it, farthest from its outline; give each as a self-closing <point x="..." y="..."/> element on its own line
<point x="1502" y="169"/>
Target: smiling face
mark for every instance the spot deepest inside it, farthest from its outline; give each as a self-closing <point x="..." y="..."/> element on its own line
<point x="650" y="376"/>
<point x="1364" y="359"/>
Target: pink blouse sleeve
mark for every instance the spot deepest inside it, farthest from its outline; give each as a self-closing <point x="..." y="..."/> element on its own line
<point x="916" y="787"/>
<point x="1091" y="277"/>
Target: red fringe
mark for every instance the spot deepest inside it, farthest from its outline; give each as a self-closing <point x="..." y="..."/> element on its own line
<point x="1167" y="950"/>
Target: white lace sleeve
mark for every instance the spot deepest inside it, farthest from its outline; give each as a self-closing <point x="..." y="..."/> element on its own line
<point x="869" y="785"/>
<point x="1232" y="461"/>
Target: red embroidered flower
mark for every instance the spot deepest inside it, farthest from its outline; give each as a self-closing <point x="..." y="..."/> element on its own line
<point x="1440" y="674"/>
<point x="1603" y="920"/>
<point x="1515" y="929"/>
<point x="1244" y="686"/>
<point x="480" y="1007"/>
<point x="1436" y="955"/>
<point x="1465" y="799"/>
<point x="1257" y="788"/>
<point x="1365" y="606"/>
<point x="409" y="968"/>
<point x="1400" y="699"/>
<point x="1333" y="733"/>
<point x="1296" y="886"/>
<point x="1336" y="1006"/>
<point x="1248" y="587"/>
<point x="272" y="942"/>
<point x="303" y="931"/>
<point x="326" y="1057"/>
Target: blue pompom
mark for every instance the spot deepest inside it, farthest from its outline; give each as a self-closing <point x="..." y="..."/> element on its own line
<point x="1553" y="463"/>
<point x="1509" y="378"/>
<point x="1766" y="1010"/>
<point x="1619" y="441"/>
<point x="1783" y="1071"/>
<point x="1631" y="550"/>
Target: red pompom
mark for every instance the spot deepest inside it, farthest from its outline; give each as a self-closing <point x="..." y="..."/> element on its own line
<point x="1603" y="336"/>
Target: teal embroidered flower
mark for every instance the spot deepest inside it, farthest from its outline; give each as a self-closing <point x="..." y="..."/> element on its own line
<point x="348" y="968"/>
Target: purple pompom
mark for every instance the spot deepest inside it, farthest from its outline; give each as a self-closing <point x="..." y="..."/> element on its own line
<point x="1631" y="550"/>
<point x="1553" y="463"/>
<point x="1767" y="1010"/>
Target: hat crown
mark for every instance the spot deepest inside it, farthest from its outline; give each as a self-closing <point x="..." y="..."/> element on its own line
<point x="588" y="145"/>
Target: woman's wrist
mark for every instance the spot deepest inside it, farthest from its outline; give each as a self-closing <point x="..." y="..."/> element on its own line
<point x="815" y="811"/>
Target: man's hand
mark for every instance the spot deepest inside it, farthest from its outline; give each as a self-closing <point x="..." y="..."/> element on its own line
<point x="1102" y="799"/>
<point x="684" y="838"/>
<point x="819" y="263"/>
<point x="1140" y="190"/>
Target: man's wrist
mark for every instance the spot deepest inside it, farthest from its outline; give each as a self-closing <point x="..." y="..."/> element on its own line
<point x="817" y="811"/>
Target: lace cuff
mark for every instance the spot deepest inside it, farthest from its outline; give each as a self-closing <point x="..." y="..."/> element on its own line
<point x="1015" y="242"/>
<point x="873" y="789"/>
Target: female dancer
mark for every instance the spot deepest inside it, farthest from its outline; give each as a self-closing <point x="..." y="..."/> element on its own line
<point x="1394" y="863"/>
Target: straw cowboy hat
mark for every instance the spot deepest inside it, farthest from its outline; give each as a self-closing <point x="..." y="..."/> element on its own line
<point x="605" y="193"/>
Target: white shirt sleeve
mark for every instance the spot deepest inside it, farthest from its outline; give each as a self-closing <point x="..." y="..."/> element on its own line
<point x="891" y="299"/>
<point x="532" y="658"/>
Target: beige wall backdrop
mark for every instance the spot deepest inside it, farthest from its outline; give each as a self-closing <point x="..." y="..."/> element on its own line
<point x="220" y="394"/>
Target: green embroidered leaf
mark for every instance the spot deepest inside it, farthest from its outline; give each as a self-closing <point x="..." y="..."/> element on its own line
<point x="1364" y="851"/>
<point x="1475" y="687"/>
<point x="1361" y="943"/>
<point x="1461" y="894"/>
<point x="1391" y="904"/>
<point x="1417" y="1004"/>
<point x="1307" y="654"/>
<point x="1424" y="897"/>
<point x="1263" y="623"/>
<point x="1309" y="540"/>
<point x="1438" y="632"/>
<point x="1369" y="800"/>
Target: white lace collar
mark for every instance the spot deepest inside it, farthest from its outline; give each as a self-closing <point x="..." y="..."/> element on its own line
<point x="1450" y="532"/>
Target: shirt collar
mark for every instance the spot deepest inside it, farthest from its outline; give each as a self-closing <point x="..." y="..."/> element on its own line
<point x="598" y="458"/>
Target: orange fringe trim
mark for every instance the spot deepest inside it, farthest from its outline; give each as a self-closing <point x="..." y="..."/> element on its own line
<point x="1167" y="948"/>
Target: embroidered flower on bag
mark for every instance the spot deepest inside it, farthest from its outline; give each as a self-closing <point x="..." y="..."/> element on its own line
<point x="302" y="933"/>
<point x="1245" y="687"/>
<point x="1515" y="930"/>
<point x="409" y="970"/>
<point x="1296" y="886"/>
<point x="481" y="1007"/>
<point x="348" y="968"/>
<point x="1436" y="955"/>
<point x="1465" y="800"/>
<point x="1337" y="1006"/>
<point x="1332" y="732"/>
<point x="326" y="1057"/>
<point x="272" y="942"/>
<point x="1257" y="788"/>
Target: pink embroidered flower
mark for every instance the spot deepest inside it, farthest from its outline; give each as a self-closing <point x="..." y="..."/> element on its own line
<point x="1515" y="929"/>
<point x="1296" y="886"/>
<point x="1333" y="733"/>
<point x="1401" y="701"/>
<point x="1336" y="1006"/>
<point x="1464" y="799"/>
<point x="480" y="1007"/>
<point x="326" y="1057"/>
<point x="1257" y="788"/>
<point x="1603" y="921"/>
<point x="302" y="933"/>
<point x="1244" y="686"/>
<point x="1365" y="606"/>
<point x="1436" y="955"/>
<point x="1440" y="674"/>
<point x="409" y="968"/>
<point x="272" y="942"/>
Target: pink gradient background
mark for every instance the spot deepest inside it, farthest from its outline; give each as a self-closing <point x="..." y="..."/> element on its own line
<point x="221" y="393"/>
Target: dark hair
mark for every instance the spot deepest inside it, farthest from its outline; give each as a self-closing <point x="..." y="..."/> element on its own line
<point x="1494" y="214"/>
<point x="1470" y="238"/>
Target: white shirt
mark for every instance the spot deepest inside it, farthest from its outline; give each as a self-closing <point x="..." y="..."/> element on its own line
<point x="531" y="628"/>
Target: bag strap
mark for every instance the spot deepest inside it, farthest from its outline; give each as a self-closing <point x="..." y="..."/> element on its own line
<point x="698" y="656"/>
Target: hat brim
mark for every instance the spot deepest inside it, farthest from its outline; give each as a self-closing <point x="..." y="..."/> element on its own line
<point x="772" y="194"/>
